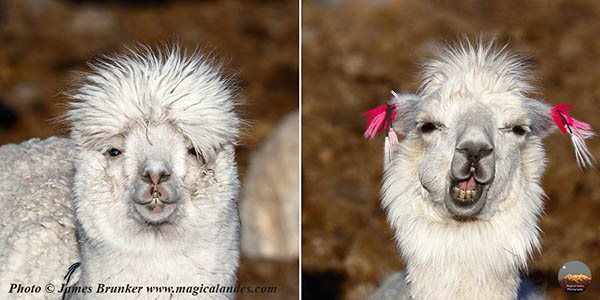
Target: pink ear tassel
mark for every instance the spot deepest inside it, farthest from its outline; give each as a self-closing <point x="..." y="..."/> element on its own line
<point x="379" y="120"/>
<point x="579" y="131"/>
<point x="390" y="141"/>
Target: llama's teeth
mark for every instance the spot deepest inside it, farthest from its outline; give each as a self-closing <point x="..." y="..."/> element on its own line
<point x="462" y="194"/>
<point x="468" y="194"/>
<point x="474" y="194"/>
<point x="456" y="192"/>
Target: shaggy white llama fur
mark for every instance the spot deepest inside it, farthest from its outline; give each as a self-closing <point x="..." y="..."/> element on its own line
<point x="472" y="127"/>
<point x="155" y="186"/>
<point x="269" y="200"/>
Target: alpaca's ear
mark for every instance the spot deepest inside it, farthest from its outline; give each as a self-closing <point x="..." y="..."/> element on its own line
<point x="407" y="106"/>
<point x="541" y="119"/>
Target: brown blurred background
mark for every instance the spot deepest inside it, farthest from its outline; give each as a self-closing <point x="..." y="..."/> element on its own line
<point x="43" y="41"/>
<point x="355" y="52"/>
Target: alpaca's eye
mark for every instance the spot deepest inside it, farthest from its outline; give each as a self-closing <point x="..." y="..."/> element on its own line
<point x="192" y="152"/>
<point x="428" y="127"/>
<point x="518" y="130"/>
<point x="114" y="152"/>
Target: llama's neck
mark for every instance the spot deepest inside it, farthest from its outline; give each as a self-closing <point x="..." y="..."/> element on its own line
<point x="473" y="261"/>
<point x="437" y="281"/>
<point x="465" y="260"/>
<point x="458" y="260"/>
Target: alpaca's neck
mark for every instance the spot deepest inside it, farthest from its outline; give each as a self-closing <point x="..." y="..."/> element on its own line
<point x="209" y="258"/>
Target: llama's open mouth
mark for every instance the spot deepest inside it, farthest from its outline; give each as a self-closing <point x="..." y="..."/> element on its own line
<point x="466" y="197"/>
<point x="466" y="191"/>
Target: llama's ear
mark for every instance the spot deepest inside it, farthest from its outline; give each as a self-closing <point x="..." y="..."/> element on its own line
<point x="541" y="119"/>
<point x="546" y="118"/>
<point x="577" y="130"/>
<point x="398" y="115"/>
<point x="407" y="106"/>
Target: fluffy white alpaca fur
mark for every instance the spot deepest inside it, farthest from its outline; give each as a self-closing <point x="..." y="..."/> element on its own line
<point x="156" y="108"/>
<point x="481" y="256"/>
<point x="37" y="232"/>
<point x="269" y="199"/>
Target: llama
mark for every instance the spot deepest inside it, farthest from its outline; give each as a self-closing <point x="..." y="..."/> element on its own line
<point x="154" y="188"/>
<point x="462" y="189"/>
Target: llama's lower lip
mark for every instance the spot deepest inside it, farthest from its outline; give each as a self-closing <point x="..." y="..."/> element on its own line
<point x="466" y="196"/>
<point x="457" y="202"/>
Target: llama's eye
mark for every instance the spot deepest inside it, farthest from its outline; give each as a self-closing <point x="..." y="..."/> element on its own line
<point x="518" y="130"/>
<point x="428" y="127"/>
<point x="114" y="152"/>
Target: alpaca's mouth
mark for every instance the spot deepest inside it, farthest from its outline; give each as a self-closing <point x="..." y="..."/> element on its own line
<point x="155" y="212"/>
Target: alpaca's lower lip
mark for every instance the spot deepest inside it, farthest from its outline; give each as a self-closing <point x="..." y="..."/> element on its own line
<point x="155" y="212"/>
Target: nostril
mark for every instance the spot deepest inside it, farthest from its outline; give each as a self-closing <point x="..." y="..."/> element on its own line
<point x="486" y="152"/>
<point x="155" y="177"/>
<point x="146" y="177"/>
<point x="164" y="176"/>
<point x="475" y="151"/>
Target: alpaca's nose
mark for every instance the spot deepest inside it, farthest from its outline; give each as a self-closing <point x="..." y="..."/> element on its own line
<point x="155" y="175"/>
<point x="154" y="186"/>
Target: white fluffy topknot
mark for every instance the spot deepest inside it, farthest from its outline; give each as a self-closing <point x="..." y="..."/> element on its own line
<point x="478" y="67"/>
<point x="154" y="86"/>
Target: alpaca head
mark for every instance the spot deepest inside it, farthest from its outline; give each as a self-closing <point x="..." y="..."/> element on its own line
<point x="476" y="132"/>
<point x="155" y="133"/>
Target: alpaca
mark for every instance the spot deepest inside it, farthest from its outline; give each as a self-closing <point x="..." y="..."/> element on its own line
<point x="462" y="189"/>
<point x="155" y="184"/>
<point x="269" y="200"/>
<point x="37" y="231"/>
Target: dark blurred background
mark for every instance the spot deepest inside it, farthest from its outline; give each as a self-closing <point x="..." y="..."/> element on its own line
<point x="355" y="52"/>
<point x="43" y="41"/>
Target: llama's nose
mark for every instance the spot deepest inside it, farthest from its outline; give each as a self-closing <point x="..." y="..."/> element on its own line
<point x="474" y="143"/>
<point x="155" y="175"/>
<point x="474" y="156"/>
<point x="475" y="150"/>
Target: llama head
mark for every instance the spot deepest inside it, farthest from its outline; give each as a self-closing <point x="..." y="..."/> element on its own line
<point x="474" y="131"/>
<point x="155" y="132"/>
